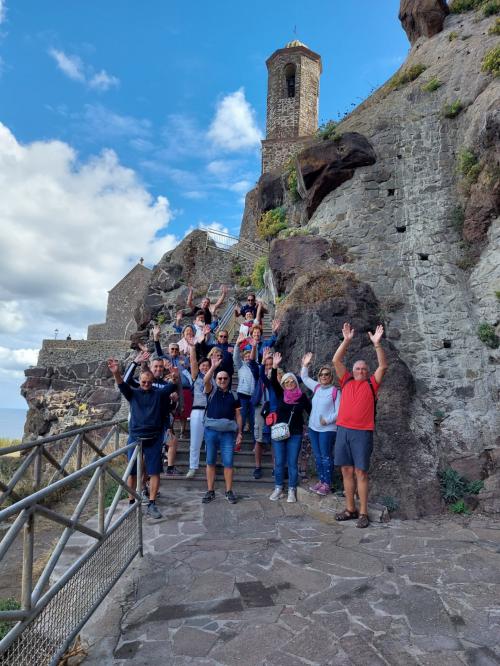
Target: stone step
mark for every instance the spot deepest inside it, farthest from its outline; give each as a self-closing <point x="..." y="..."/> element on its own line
<point x="325" y="508"/>
<point x="219" y="477"/>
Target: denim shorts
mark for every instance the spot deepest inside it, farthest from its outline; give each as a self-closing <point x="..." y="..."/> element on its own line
<point x="152" y="455"/>
<point x="353" y="448"/>
<point x="223" y="440"/>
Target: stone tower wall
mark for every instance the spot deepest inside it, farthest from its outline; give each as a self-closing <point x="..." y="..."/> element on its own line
<point x="290" y="118"/>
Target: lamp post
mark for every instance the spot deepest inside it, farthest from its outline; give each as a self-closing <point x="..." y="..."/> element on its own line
<point x="56" y="331"/>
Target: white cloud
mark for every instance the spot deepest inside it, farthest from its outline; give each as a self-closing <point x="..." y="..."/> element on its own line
<point x="68" y="232"/>
<point x="74" y="68"/>
<point x="103" y="81"/>
<point x="234" y="126"/>
<point x="11" y="317"/>
<point x="3" y="11"/>
<point x="17" y="359"/>
<point x="101" y="122"/>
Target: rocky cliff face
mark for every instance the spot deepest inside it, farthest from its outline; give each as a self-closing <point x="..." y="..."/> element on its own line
<point x="421" y="231"/>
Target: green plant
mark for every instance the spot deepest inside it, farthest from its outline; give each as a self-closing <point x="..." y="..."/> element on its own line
<point x="439" y="415"/>
<point x="491" y="61"/>
<point x="390" y="503"/>
<point x="328" y="131"/>
<point x="237" y="269"/>
<point x="497" y="294"/>
<point x="491" y="7"/>
<point x="459" y="6"/>
<point x="474" y="487"/>
<point x="452" y="485"/>
<point x="161" y="318"/>
<point x="5" y="441"/>
<point x="468" y="165"/>
<point x="245" y="281"/>
<point x="459" y="507"/>
<point x="110" y="492"/>
<point x="452" y="110"/>
<point x="406" y="75"/>
<point x="271" y="223"/>
<point x="293" y="232"/>
<point x="495" y="28"/>
<point x="258" y="272"/>
<point x="453" y="35"/>
<point x="432" y="85"/>
<point x="7" y="605"/>
<point x="291" y="179"/>
<point x="458" y="218"/>
<point x="486" y="333"/>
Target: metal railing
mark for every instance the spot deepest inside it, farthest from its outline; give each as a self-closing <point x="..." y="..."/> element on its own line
<point x="53" y="611"/>
<point x="228" y="322"/>
<point x="233" y="244"/>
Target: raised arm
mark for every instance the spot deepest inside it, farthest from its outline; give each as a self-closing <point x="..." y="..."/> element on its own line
<point x="237" y="353"/>
<point x="223" y="294"/>
<point x="193" y="361"/>
<point x="379" y="350"/>
<point x="128" y="377"/>
<point x="338" y="357"/>
<point x="274" y="375"/>
<point x="189" y="301"/>
<point x="304" y="372"/>
<point x="207" y="380"/>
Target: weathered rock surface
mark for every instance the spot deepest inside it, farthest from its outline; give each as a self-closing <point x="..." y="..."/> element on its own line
<point x="293" y="257"/>
<point x="324" y="166"/>
<point x="422" y="17"/>
<point x="404" y="463"/>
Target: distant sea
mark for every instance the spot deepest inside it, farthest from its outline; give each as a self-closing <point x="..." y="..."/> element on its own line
<point x="12" y="422"/>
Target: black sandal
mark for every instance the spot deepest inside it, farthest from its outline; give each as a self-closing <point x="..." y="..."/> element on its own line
<point x="346" y="515"/>
<point x="363" y="520"/>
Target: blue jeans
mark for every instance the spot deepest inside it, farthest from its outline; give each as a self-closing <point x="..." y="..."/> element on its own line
<point x="247" y="411"/>
<point x="322" y="446"/>
<point x="223" y="440"/>
<point x="287" y="451"/>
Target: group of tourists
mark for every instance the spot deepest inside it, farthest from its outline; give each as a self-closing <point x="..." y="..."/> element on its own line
<point x="193" y="382"/>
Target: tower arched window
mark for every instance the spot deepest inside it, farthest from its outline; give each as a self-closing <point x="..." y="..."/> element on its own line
<point x="290" y="70"/>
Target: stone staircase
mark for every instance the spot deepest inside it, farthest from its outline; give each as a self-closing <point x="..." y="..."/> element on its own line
<point x="244" y="462"/>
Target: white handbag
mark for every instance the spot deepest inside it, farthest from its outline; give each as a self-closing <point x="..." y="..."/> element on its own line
<point x="281" y="431"/>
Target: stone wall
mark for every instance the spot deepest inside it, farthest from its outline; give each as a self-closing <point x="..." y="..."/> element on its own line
<point x="69" y="352"/>
<point x="277" y="152"/>
<point x="122" y="301"/>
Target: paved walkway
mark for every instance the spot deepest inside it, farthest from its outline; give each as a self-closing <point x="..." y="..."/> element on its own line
<point x="266" y="583"/>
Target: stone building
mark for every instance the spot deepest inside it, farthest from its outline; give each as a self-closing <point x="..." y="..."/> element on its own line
<point x="122" y="301"/>
<point x="292" y="103"/>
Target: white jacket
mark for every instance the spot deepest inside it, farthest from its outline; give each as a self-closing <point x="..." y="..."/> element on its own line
<point x="322" y="404"/>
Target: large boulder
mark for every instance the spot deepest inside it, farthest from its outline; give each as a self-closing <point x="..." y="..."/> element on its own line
<point x="422" y="18"/>
<point x="312" y="317"/>
<point x="292" y="257"/>
<point x="270" y="191"/>
<point x="321" y="168"/>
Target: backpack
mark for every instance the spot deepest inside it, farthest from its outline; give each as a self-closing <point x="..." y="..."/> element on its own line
<point x="334" y="391"/>
<point x="373" y="393"/>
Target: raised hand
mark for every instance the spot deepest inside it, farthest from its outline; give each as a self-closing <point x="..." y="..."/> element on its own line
<point x="113" y="365"/>
<point x="276" y="323"/>
<point x="206" y="329"/>
<point x="376" y="337"/>
<point x="307" y="358"/>
<point x="142" y="357"/>
<point x="156" y="332"/>
<point x="240" y="338"/>
<point x="276" y="360"/>
<point x="266" y="353"/>
<point x="347" y="332"/>
<point x="178" y="316"/>
<point x="216" y="362"/>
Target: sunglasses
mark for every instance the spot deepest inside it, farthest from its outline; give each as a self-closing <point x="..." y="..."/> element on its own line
<point x="222" y="336"/>
<point x="222" y="379"/>
<point x="174" y="348"/>
<point x="325" y="374"/>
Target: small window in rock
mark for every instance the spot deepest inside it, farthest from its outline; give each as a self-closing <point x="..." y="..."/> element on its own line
<point x="423" y="257"/>
<point x="447" y="344"/>
<point x="399" y="157"/>
<point x="390" y="192"/>
<point x="401" y="229"/>
<point x="290" y="80"/>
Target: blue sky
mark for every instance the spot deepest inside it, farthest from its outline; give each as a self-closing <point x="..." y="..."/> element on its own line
<point x="123" y="125"/>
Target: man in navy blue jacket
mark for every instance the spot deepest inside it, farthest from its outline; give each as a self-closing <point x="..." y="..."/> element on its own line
<point x="149" y="411"/>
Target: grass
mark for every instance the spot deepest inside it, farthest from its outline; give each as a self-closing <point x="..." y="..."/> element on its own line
<point x="491" y="7"/>
<point x="495" y="28"/>
<point x="5" y="605"/>
<point x="468" y="165"/>
<point x="486" y="333"/>
<point x="406" y="76"/>
<point x="6" y="441"/>
<point x="491" y="62"/>
<point x="258" y="272"/>
<point x="497" y="294"/>
<point x="271" y="223"/>
<point x="452" y="36"/>
<point x="318" y="287"/>
<point x="432" y="85"/>
<point x="328" y="131"/>
<point x="459" y="507"/>
<point x="291" y="179"/>
<point x="454" y="487"/>
<point x="453" y="109"/>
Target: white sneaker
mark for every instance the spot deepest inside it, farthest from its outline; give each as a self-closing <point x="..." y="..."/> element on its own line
<point x="191" y="474"/>
<point x="277" y="494"/>
<point x="292" y="496"/>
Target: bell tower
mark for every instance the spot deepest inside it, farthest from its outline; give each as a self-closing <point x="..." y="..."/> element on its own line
<point x="292" y="102"/>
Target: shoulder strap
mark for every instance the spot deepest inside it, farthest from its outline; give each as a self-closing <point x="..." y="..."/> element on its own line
<point x="334" y="390"/>
<point x="374" y="399"/>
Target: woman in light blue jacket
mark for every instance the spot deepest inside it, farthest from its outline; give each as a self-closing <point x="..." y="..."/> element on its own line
<point x="322" y="422"/>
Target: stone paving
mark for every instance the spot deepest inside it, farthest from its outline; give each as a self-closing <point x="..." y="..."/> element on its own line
<point x="267" y="583"/>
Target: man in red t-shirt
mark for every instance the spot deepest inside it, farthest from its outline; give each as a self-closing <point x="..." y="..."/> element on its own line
<point x="356" y="423"/>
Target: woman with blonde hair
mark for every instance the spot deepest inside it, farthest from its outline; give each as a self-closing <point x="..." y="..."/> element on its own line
<point x="322" y="422"/>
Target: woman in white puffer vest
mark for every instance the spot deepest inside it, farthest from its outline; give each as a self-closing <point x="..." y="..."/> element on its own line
<point x="322" y="422"/>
